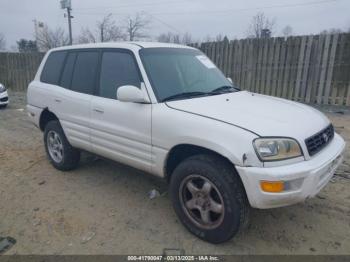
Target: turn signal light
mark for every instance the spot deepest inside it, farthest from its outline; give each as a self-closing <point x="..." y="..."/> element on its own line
<point x="272" y="186"/>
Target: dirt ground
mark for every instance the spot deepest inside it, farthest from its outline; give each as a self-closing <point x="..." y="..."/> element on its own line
<point x="104" y="208"/>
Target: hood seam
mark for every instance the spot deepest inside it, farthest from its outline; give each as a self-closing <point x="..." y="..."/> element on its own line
<point x="212" y="119"/>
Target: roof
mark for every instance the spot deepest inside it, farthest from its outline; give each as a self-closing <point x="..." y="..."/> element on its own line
<point x="127" y="45"/>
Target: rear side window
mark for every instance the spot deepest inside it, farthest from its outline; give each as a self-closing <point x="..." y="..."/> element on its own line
<point x="117" y="69"/>
<point x="53" y="66"/>
<point x="84" y="74"/>
<point x="68" y="70"/>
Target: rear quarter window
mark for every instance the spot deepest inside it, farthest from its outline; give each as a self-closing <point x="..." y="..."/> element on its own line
<point x="53" y="67"/>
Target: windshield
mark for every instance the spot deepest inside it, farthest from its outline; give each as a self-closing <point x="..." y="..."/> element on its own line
<point x="178" y="73"/>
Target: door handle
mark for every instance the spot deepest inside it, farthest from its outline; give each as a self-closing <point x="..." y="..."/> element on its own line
<point x="58" y="100"/>
<point x="98" y="110"/>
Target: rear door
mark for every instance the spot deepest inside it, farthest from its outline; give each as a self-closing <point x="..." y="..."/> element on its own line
<point x="49" y="85"/>
<point x="120" y="130"/>
<point x="73" y="100"/>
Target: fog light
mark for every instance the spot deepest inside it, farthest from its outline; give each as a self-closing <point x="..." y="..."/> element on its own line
<point x="272" y="186"/>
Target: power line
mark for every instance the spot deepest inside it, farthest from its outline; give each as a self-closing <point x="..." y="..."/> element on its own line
<point x="166" y="24"/>
<point x="153" y="15"/>
<point x="102" y="13"/>
<point x="134" y="4"/>
<point x="155" y="18"/>
<point x="246" y="9"/>
<point x="228" y="10"/>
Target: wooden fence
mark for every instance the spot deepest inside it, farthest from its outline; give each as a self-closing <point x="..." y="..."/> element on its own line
<point x="311" y="69"/>
<point x="17" y="70"/>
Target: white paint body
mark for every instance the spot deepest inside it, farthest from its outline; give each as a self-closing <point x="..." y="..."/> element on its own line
<point x="142" y="134"/>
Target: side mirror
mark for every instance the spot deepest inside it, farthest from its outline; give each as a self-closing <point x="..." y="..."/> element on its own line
<point x="129" y="93"/>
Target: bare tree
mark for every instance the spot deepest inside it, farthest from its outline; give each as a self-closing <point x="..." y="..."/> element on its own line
<point x="2" y="42"/>
<point x="86" y="36"/>
<point x="261" y="26"/>
<point x="207" y="38"/>
<point x="165" y="37"/>
<point x="47" y="38"/>
<point x="136" y="26"/>
<point x="331" y="31"/>
<point x="187" y="39"/>
<point x="175" y="38"/>
<point x="287" y="31"/>
<point x="106" y="31"/>
<point x="219" y="38"/>
<point x="335" y="31"/>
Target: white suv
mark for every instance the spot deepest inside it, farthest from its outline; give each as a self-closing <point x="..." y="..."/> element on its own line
<point x="168" y="110"/>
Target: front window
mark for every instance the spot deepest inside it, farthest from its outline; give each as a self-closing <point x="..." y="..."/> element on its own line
<point x="180" y="73"/>
<point x="118" y="68"/>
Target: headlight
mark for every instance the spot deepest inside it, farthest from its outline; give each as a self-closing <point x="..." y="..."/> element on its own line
<point x="273" y="149"/>
<point x="2" y="88"/>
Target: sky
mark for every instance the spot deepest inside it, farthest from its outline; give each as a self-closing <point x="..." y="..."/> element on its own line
<point x="198" y="17"/>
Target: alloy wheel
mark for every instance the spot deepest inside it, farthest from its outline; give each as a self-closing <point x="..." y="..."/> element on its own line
<point x="202" y="201"/>
<point x="55" y="146"/>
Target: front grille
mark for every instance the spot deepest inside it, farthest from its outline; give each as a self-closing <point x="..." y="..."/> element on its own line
<point x="319" y="140"/>
<point x="4" y="99"/>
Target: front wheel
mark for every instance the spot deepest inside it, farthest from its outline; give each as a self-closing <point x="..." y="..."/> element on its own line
<point x="209" y="198"/>
<point x="61" y="154"/>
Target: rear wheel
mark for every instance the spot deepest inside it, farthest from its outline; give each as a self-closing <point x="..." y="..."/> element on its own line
<point x="209" y="198"/>
<point x="60" y="153"/>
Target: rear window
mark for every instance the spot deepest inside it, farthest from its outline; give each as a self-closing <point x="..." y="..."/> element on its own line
<point x="85" y="70"/>
<point x="53" y="66"/>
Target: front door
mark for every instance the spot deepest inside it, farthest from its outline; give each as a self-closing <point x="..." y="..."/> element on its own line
<point x="120" y="130"/>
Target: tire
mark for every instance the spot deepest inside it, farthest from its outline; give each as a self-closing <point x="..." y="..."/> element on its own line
<point x="226" y="189"/>
<point x="70" y="156"/>
<point x="3" y="106"/>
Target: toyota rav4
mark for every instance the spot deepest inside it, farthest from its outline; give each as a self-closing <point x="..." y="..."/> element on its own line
<point x="168" y="110"/>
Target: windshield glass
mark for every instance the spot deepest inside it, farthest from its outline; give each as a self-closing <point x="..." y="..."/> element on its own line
<point x="181" y="73"/>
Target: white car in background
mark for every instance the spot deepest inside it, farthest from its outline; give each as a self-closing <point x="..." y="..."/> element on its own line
<point x="4" y="98"/>
<point x="168" y="110"/>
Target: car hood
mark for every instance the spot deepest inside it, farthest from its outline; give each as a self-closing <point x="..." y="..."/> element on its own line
<point x="260" y="114"/>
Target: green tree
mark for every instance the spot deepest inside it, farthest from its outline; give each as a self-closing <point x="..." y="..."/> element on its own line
<point x="25" y="46"/>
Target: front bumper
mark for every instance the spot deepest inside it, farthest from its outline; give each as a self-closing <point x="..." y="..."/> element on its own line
<point x="4" y="98"/>
<point x="303" y="179"/>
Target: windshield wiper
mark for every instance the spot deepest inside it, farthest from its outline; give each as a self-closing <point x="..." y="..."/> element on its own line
<point x="224" y="89"/>
<point x="184" y="95"/>
<point x="217" y="91"/>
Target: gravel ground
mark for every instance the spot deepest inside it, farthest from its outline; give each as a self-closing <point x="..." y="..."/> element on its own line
<point x="103" y="207"/>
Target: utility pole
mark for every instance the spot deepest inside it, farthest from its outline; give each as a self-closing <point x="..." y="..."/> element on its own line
<point x="35" y="29"/>
<point x="66" y="4"/>
<point x="70" y="25"/>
